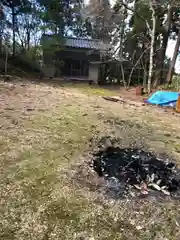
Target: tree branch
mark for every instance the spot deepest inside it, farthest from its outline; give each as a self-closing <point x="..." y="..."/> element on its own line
<point x="132" y="70"/>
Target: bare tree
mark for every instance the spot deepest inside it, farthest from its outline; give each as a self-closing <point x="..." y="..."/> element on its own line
<point x="153" y="5"/>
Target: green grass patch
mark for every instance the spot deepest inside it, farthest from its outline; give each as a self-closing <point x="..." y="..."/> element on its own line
<point x="92" y="89"/>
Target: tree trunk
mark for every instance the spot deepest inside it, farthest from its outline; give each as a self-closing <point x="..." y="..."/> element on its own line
<point x="0" y="43"/>
<point x="2" y="18"/>
<point x="6" y="62"/>
<point x="123" y="77"/>
<point x="13" y="28"/>
<point x="103" y="74"/>
<point x="145" y="70"/>
<point x="151" y="58"/>
<point x="165" y="39"/>
<point x="162" y="52"/>
<point x="144" y="67"/>
<point x="173" y="61"/>
<point x="28" y="39"/>
<point x="144" y="80"/>
<point x="121" y="50"/>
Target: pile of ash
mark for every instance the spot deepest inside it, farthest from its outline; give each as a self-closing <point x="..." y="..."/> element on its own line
<point x="137" y="169"/>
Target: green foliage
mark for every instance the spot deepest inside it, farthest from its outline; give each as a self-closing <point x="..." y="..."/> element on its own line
<point x="58" y="16"/>
<point x="138" y="21"/>
<point x="100" y="19"/>
<point x="26" y="62"/>
<point x="174" y="86"/>
<point x="52" y="15"/>
<point x="51" y="44"/>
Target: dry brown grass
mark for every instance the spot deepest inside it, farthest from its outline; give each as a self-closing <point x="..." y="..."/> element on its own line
<point x="44" y="131"/>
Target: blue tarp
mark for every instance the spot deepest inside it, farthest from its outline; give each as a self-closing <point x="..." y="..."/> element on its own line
<point x="163" y="98"/>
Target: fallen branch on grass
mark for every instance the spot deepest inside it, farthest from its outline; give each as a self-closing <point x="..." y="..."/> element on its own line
<point x="122" y="100"/>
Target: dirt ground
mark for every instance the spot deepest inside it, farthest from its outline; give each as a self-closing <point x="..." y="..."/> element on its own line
<point x="46" y="134"/>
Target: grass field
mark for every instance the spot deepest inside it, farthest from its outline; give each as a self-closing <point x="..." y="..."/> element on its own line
<point x="45" y="133"/>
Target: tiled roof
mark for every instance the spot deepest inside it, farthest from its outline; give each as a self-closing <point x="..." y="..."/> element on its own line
<point x="83" y="43"/>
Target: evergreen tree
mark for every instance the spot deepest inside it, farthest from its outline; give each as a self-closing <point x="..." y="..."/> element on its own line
<point x="16" y="7"/>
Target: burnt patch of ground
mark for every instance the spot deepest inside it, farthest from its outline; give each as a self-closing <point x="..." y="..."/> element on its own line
<point x="120" y="172"/>
<point x="139" y="169"/>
